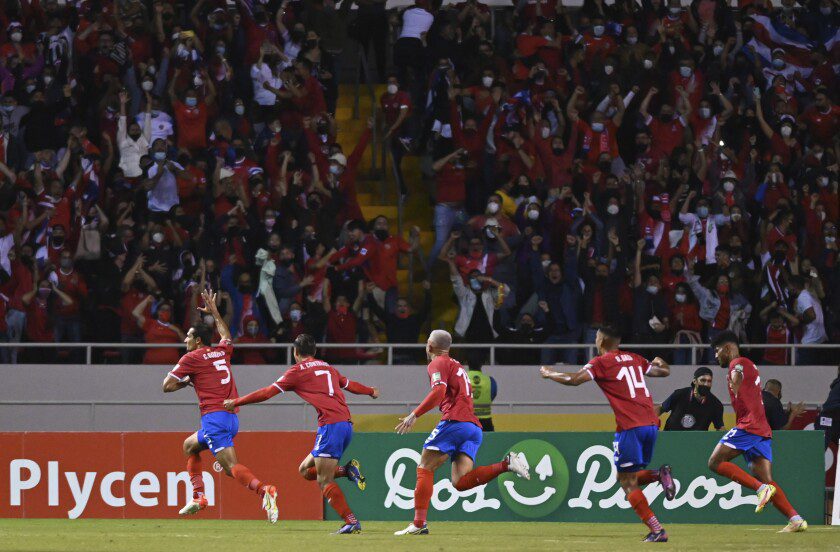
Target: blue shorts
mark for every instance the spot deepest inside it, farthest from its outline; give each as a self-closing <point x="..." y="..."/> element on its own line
<point x="218" y="430"/>
<point x="452" y="437"/>
<point x="332" y="439"/>
<point x="634" y="447"/>
<point x="752" y="445"/>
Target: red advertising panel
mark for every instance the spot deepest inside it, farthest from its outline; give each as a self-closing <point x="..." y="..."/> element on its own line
<point x="143" y="475"/>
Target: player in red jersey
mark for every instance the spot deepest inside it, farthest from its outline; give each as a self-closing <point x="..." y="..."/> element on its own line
<point x="457" y="436"/>
<point x="321" y="385"/>
<point x="208" y="370"/>
<point x="621" y="377"/>
<point x="751" y="435"/>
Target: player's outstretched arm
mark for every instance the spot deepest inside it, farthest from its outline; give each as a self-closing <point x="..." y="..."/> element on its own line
<point x="210" y="307"/>
<point x="566" y="378"/>
<point x="658" y="368"/>
<point x="361" y="389"/>
<point x="257" y="396"/>
<point x="432" y="400"/>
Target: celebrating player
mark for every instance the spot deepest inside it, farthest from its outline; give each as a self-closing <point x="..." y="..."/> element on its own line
<point x="751" y="435"/>
<point x="208" y="369"/>
<point x="457" y="436"/>
<point x="320" y="385"/>
<point x="621" y="376"/>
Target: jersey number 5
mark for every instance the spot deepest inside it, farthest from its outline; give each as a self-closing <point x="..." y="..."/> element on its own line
<point x="635" y="379"/>
<point x="221" y="366"/>
<point x="329" y="379"/>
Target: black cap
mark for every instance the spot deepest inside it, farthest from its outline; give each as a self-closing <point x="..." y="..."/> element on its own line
<point x="702" y="371"/>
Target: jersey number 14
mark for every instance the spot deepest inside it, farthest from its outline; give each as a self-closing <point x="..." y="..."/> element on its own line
<point x="635" y="378"/>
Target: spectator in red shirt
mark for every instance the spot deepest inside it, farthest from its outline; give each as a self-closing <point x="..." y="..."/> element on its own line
<point x="396" y="106"/>
<point x="191" y="114"/>
<point x="67" y="324"/>
<point x="449" y="201"/>
<point x="822" y="120"/>
<point x="38" y="323"/>
<point x="667" y="132"/>
<point x="342" y="327"/>
<point x="158" y="329"/>
<point x="383" y="265"/>
<point x="252" y="336"/>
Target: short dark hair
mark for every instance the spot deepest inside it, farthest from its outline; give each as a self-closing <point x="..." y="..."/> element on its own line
<point x="702" y="371"/>
<point x="611" y="332"/>
<point x="204" y="333"/>
<point x="775" y="382"/>
<point x="725" y="337"/>
<point x="305" y="345"/>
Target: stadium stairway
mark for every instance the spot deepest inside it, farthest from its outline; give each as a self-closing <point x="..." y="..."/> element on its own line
<point x="417" y="210"/>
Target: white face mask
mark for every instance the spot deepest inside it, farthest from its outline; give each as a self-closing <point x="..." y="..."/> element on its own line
<point x="335" y="169"/>
<point x="239" y="109"/>
<point x="787" y="131"/>
<point x="728" y="185"/>
<point x="147" y="86"/>
<point x="717" y="50"/>
<point x="16" y="36"/>
<point x="295" y="315"/>
<point x="612" y="209"/>
<point x="648" y="63"/>
<point x="546" y="263"/>
<point x="680" y="297"/>
<point x="392" y="89"/>
<point x="735" y="217"/>
<point x="198" y="81"/>
<point x="608" y="69"/>
<point x="487" y="81"/>
<point x="493" y="207"/>
<point x="533" y="214"/>
<point x="822" y="181"/>
<point x="157" y="237"/>
<point x="685" y="71"/>
<point x="598" y="127"/>
<point x="653" y="290"/>
<point x="598" y="30"/>
<point x="632" y="40"/>
<point x="705" y="112"/>
<point x="545" y="132"/>
<point x="30" y="88"/>
<point x="47" y="80"/>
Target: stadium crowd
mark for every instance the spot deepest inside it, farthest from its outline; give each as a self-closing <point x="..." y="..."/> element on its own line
<point x="669" y="170"/>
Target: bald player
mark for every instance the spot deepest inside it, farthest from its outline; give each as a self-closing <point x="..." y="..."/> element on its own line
<point x="456" y="437"/>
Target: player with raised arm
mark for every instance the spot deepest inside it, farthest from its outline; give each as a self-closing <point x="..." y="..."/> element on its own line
<point x="208" y="369"/>
<point x="321" y="385"/>
<point x="457" y="436"/>
<point x="751" y="436"/>
<point x="621" y="377"/>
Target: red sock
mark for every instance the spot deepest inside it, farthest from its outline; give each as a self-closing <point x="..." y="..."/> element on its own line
<point x="647" y="477"/>
<point x="781" y="503"/>
<point x="196" y="478"/>
<point x="423" y="495"/>
<point x="312" y="474"/>
<point x="640" y="505"/>
<point x="335" y="498"/>
<point x="244" y="476"/>
<point x="736" y="474"/>
<point x="481" y="475"/>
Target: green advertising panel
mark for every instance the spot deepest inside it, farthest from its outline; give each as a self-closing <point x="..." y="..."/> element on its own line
<point x="573" y="479"/>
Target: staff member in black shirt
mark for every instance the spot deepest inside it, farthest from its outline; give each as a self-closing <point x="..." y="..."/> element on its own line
<point x="778" y="416"/>
<point x="693" y="408"/>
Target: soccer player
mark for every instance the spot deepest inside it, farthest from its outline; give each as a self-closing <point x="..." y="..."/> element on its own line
<point x="208" y="370"/>
<point x="457" y="436"/>
<point x="621" y="377"/>
<point x="751" y="435"/>
<point x="321" y="385"/>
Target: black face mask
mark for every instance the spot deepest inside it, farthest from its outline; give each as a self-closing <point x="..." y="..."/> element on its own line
<point x="703" y="390"/>
<point x="666" y="117"/>
<point x="311" y="42"/>
<point x="57" y="241"/>
<point x="274" y="248"/>
<point x="605" y="166"/>
<point x="298" y="36"/>
<point x="641" y="148"/>
<point x="382" y="235"/>
<point x="286" y="262"/>
<point x="678" y="271"/>
<point x="557" y="151"/>
<point x="244" y="288"/>
<point x="779" y="257"/>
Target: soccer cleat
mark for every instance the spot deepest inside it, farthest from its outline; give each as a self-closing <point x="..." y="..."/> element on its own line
<point x="518" y="464"/>
<point x="661" y="536"/>
<point x="350" y="529"/>
<point x="667" y="482"/>
<point x="194" y="506"/>
<point x="269" y="503"/>
<point x="354" y="473"/>
<point x="797" y="526"/>
<point x="765" y="494"/>
<point x="414" y="530"/>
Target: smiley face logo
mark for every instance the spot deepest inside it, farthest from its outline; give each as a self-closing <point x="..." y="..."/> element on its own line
<point x="549" y="483"/>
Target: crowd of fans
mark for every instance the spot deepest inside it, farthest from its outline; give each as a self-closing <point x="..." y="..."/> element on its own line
<point x="634" y="164"/>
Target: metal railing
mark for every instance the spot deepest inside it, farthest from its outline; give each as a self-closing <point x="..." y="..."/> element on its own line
<point x="374" y="142"/>
<point x="492" y="348"/>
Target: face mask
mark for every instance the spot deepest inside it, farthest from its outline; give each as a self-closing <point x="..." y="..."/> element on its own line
<point x="392" y="89"/>
<point x="728" y="186"/>
<point x="66" y="263"/>
<point x="47" y="80"/>
<point x="295" y="315"/>
<point x="252" y="330"/>
<point x="723" y="289"/>
<point x="779" y="257"/>
<point x="311" y="42"/>
<point x="653" y="290"/>
<point x="557" y="151"/>
<point x="147" y="86"/>
<point x="612" y="209"/>
<point x="545" y="132"/>
<point x="632" y="40"/>
<point x="16" y="36"/>
<point x="779" y="63"/>
<point x="335" y="169"/>
<point x="475" y="285"/>
<point x="533" y="214"/>
<point x="402" y="313"/>
<point x="703" y="390"/>
<point x="830" y="239"/>
<point x="487" y="81"/>
<point x="685" y="71"/>
<point x="675" y="10"/>
<point x="191" y="101"/>
<point x="717" y="50"/>
<point x="648" y="63"/>
<point x="382" y="235"/>
<point x="545" y="264"/>
<point x="705" y="112"/>
<point x="239" y="109"/>
<point x="598" y="127"/>
<point x="342" y="309"/>
<point x="598" y="30"/>
<point x="165" y="316"/>
<point x="702" y="211"/>
<point x="157" y="237"/>
<point x="492" y="207"/>
<point x="160" y="155"/>
<point x="44" y="292"/>
<point x="787" y="131"/>
<point x="680" y="297"/>
<point x="30" y="88"/>
<point x="220" y="50"/>
<point x="57" y="241"/>
<point x="182" y="51"/>
<point x="735" y="217"/>
<point x="608" y="69"/>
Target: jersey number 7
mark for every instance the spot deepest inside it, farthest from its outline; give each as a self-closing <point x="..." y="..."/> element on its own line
<point x="635" y="378"/>
<point x="329" y="379"/>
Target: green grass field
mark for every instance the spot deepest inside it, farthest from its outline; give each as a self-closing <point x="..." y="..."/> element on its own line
<point x="204" y="535"/>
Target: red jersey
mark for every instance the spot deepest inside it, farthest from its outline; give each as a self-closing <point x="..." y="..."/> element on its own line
<point x="748" y="404"/>
<point x="392" y="105"/>
<point x="621" y="376"/>
<point x="209" y="369"/>
<point x="457" y="403"/>
<point x="320" y="385"/>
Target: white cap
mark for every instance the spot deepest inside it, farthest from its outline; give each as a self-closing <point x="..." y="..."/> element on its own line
<point x="339" y="158"/>
<point x="729" y="175"/>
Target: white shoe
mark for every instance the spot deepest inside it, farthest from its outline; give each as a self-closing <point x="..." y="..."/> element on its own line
<point x="194" y="506"/>
<point x="414" y="530"/>
<point x="518" y="464"/>
<point x="270" y="503"/>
